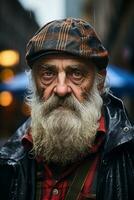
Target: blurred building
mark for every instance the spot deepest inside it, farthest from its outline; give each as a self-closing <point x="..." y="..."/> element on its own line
<point x="114" y="21"/>
<point x="16" y="27"/>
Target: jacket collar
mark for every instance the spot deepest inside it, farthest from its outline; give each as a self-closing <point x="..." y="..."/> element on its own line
<point x="14" y="149"/>
<point x="119" y="128"/>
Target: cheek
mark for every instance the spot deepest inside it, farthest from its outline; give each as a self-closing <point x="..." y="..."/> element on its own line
<point x="81" y="93"/>
<point x="40" y="90"/>
<point x="47" y="92"/>
<point x="43" y="91"/>
<point x="84" y="93"/>
<point x="85" y="89"/>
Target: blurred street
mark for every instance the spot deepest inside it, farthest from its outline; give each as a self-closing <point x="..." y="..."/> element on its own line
<point x="113" y="20"/>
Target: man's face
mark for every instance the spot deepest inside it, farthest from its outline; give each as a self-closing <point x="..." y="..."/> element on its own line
<point x="65" y="108"/>
<point x="63" y="76"/>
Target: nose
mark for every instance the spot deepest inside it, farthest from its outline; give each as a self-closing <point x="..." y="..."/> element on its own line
<point x="62" y="88"/>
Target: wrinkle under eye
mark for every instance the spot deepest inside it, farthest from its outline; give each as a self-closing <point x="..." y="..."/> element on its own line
<point x="48" y="74"/>
<point x="76" y="75"/>
<point x="47" y="77"/>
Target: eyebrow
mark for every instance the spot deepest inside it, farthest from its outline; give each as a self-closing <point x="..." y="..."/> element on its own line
<point x="77" y="67"/>
<point x="68" y="68"/>
<point x="48" y="66"/>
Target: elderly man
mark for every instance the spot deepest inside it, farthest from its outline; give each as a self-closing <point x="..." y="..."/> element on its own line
<point x="78" y="143"/>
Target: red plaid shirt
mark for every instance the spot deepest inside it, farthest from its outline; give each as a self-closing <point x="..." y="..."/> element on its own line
<point x="55" y="187"/>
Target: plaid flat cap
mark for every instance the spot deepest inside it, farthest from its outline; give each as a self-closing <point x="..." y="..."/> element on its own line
<point x="67" y="36"/>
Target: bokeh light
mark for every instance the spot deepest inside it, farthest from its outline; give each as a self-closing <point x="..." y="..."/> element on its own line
<point x="6" y="75"/>
<point x="6" y="98"/>
<point x="9" y="58"/>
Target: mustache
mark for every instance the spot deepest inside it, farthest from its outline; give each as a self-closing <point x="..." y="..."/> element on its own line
<point x="54" y="102"/>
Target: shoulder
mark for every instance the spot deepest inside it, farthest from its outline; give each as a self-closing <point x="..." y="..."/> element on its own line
<point x="13" y="149"/>
<point x="119" y="129"/>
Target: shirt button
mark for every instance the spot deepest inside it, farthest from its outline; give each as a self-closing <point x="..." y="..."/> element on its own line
<point x="55" y="191"/>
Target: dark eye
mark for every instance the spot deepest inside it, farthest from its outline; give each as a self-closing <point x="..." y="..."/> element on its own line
<point x="48" y="74"/>
<point x="77" y="74"/>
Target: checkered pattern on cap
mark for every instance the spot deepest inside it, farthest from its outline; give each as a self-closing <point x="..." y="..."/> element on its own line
<point x="70" y="36"/>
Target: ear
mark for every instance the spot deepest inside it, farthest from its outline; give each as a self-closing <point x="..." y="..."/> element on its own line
<point x="102" y="73"/>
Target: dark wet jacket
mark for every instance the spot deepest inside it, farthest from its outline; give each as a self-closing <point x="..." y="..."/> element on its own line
<point x="116" y="171"/>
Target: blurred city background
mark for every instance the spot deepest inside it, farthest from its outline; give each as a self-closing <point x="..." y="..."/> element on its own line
<point x="20" y="19"/>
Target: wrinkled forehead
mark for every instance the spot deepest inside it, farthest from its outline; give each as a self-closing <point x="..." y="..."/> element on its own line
<point x="64" y="61"/>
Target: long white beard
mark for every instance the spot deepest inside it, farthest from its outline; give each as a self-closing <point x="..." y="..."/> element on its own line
<point x="64" y="130"/>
